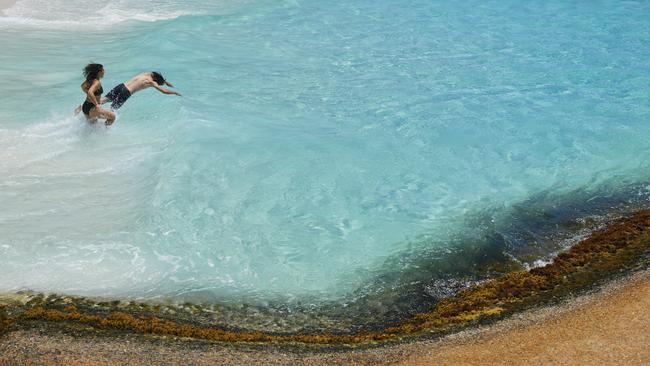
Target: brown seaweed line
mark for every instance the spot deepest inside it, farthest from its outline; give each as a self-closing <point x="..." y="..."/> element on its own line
<point x="605" y="251"/>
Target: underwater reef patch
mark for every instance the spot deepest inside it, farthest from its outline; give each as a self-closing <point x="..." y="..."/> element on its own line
<point x="607" y="251"/>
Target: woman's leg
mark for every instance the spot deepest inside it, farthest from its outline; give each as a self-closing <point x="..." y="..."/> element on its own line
<point x="92" y="115"/>
<point x="102" y="113"/>
<point x="110" y="116"/>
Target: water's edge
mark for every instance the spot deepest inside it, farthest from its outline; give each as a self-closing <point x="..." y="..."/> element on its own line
<point x="607" y="253"/>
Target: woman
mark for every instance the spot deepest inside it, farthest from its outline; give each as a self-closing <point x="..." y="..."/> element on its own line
<point x="92" y="86"/>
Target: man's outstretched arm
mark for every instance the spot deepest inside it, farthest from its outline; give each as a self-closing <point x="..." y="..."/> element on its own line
<point x="166" y="91"/>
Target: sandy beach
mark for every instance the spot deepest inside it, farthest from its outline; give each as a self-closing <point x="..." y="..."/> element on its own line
<point x="608" y="327"/>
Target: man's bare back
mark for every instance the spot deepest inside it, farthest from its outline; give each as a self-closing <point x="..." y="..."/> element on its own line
<point x="146" y="80"/>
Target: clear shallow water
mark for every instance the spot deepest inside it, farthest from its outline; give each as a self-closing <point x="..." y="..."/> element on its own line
<point x="319" y="150"/>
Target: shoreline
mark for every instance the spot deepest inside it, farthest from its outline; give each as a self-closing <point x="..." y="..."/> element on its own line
<point x="587" y="306"/>
<point x="607" y="326"/>
<point x="620" y="247"/>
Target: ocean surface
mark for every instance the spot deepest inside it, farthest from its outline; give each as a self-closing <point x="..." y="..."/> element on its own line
<point x="323" y="154"/>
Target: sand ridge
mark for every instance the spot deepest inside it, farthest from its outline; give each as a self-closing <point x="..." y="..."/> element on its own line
<point x="610" y="327"/>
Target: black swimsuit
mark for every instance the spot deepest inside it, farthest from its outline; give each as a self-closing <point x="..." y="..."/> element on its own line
<point x="88" y="105"/>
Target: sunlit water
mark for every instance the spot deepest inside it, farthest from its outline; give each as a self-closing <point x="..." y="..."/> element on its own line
<point x="319" y="147"/>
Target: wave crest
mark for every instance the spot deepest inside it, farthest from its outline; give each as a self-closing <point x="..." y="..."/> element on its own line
<point x="75" y="14"/>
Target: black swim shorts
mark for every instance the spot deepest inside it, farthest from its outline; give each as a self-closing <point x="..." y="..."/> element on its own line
<point x="118" y="95"/>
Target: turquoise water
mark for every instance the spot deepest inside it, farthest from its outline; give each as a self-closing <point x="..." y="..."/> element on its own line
<point x="321" y="150"/>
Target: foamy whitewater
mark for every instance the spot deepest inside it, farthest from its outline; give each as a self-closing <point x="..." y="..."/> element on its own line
<point x="321" y="150"/>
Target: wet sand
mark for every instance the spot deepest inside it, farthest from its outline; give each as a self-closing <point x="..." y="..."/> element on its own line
<point x="610" y="327"/>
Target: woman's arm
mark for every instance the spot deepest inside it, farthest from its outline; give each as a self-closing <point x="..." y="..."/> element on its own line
<point x="91" y="92"/>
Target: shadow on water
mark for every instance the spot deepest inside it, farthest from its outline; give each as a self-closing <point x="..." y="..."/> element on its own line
<point x="495" y="242"/>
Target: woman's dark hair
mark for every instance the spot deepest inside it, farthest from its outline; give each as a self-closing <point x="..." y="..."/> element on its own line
<point x="91" y="71"/>
<point x="158" y="78"/>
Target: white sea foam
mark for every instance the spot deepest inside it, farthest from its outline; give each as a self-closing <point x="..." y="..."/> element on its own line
<point x="35" y="143"/>
<point x="62" y="146"/>
<point x="76" y="14"/>
<point x="4" y="4"/>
